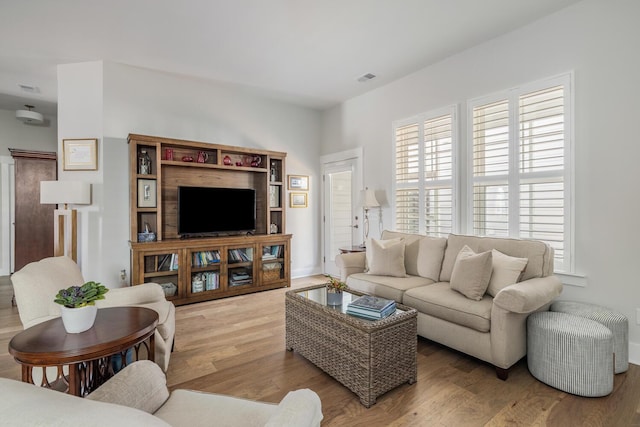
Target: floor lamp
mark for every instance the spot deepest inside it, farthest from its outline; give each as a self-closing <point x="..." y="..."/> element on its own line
<point x="369" y="201"/>
<point x="65" y="225"/>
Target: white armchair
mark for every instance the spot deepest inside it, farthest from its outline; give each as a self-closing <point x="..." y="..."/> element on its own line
<point x="37" y="283"/>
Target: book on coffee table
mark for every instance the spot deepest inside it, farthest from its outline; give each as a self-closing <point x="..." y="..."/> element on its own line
<point x="371" y="307"/>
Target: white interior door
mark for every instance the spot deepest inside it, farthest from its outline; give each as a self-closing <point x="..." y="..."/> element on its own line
<point x="342" y="180"/>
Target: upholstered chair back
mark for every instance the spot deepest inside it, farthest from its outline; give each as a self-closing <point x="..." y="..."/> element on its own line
<point x="36" y="285"/>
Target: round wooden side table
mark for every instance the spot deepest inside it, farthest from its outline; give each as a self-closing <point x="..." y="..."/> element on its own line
<point x="88" y="355"/>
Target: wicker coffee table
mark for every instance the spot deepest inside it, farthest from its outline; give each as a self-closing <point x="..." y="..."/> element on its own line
<point x="368" y="357"/>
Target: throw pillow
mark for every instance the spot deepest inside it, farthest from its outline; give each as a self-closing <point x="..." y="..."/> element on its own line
<point x="471" y="273"/>
<point x="386" y="257"/>
<point x="506" y="271"/>
<point x="430" y="257"/>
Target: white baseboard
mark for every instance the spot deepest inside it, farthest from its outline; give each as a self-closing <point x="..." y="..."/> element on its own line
<point x="304" y="272"/>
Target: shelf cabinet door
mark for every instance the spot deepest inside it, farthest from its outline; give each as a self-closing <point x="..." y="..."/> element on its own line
<point x="240" y="266"/>
<point x="272" y="263"/>
<point x="205" y="271"/>
<point x="162" y="267"/>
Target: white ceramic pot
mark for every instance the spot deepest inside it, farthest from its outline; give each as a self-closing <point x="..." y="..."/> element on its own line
<point x="78" y="320"/>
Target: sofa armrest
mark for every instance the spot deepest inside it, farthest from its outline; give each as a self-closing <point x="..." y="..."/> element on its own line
<point x="299" y="408"/>
<point x="141" y="385"/>
<point x="529" y="295"/>
<point x="351" y="263"/>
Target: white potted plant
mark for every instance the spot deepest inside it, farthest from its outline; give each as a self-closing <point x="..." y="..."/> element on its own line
<point x="79" y="305"/>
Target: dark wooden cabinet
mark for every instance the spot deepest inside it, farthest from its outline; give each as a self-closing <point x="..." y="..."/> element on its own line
<point x="33" y="221"/>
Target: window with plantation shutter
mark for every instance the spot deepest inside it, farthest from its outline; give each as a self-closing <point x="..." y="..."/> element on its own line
<point x="424" y="172"/>
<point x="520" y="169"/>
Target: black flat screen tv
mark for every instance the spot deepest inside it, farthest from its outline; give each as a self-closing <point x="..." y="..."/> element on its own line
<point x="213" y="211"/>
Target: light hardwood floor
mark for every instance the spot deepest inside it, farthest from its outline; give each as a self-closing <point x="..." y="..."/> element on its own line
<point x="235" y="346"/>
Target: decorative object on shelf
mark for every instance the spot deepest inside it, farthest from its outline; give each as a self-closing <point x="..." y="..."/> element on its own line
<point x="187" y="159"/>
<point x="298" y="200"/>
<point x="274" y="172"/>
<point x="334" y="290"/>
<point x="274" y="196"/>
<point x="147" y="235"/>
<point x="144" y="163"/>
<point x="238" y="163"/>
<point x="78" y="305"/>
<point x="147" y="193"/>
<point x="80" y="154"/>
<point x="369" y="201"/>
<point x="273" y="228"/>
<point x="298" y="182"/>
<point x="226" y="160"/>
<point x="169" y="288"/>
<point x="168" y="153"/>
<point x="257" y="160"/>
<point x="202" y="157"/>
<point x="65" y="225"/>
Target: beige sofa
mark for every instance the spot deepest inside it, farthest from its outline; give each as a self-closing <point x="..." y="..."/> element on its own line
<point x="37" y="283"/>
<point x="487" y="324"/>
<point x="138" y="396"/>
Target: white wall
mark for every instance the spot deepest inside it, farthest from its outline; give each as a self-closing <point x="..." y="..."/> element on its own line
<point x="123" y="99"/>
<point x="598" y="41"/>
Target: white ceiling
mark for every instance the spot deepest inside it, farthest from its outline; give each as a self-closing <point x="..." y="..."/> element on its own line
<point x="309" y="52"/>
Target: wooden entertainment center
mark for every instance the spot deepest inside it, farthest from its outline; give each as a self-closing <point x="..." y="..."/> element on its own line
<point x="205" y="268"/>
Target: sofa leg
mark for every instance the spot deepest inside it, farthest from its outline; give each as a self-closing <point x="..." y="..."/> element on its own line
<point x="502" y="373"/>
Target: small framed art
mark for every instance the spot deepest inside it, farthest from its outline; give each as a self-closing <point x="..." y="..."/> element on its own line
<point x="298" y="200"/>
<point x="80" y="154"/>
<point x="147" y="193"/>
<point x="298" y="182"/>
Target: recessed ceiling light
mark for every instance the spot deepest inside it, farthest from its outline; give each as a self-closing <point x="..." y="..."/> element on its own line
<point x="366" y="77"/>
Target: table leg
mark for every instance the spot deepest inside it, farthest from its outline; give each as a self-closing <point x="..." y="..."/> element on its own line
<point x="152" y="347"/>
<point x="75" y="379"/>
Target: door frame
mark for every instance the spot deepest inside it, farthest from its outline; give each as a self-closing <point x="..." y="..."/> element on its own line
<point x="7" y="213"/>
<point x="355" y="154"/>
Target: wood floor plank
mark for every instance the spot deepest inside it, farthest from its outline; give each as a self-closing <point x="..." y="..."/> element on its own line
<point x="236" y="346"/>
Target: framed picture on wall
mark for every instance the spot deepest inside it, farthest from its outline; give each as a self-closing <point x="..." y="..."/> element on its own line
<point x="80" y="154"/>
<point x="298" y="182"/>
<point x="298" y="200"/>
<point x="147" y="193"/>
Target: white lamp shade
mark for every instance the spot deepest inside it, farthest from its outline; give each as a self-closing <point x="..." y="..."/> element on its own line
<point x="369" y="200"/>
<point x="65" y="192"/>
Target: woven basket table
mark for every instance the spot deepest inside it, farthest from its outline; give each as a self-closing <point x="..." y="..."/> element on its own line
<point x="368" y="357"/>
<point x="616" y="322"/>
<point x="571" y="353"/>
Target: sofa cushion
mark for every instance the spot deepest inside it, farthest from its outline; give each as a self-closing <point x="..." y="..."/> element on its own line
<point x="385" y="286"/>
<point x="439" y="300"/>
<point x="386" y="257"/>
<point x="24" y="404"/>
<point x="188" y="408"/>
<point x="430" y="255"/>
<point x="471" y="273"/>
<point x="506" y="271"/>
<point x="539" y="254"/>
<point x="411" y="249"/>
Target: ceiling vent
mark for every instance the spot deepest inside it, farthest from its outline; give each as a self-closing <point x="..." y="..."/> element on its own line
<point x="29" y="117"/>
<point x="366" y="77"/>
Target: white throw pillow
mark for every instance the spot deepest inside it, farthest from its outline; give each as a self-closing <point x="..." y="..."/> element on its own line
<point x="506" y="271"/>
<point x="471" y="273"/>
<point x="430" y="257"/>
<point x="386" y="257"/>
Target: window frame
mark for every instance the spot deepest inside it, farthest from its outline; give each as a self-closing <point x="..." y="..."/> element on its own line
<point x="422" y="183"/>
<point x="512" y="97"/>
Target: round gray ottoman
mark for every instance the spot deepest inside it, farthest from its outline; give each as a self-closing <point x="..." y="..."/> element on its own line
<point x="616" y="322"/>
<point x="571" y="353"/>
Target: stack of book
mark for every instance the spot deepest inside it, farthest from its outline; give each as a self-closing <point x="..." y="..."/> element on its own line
<point x="370" y="307"/>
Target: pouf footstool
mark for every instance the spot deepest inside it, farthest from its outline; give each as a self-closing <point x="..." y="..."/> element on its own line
<point x="616" y="322"/>
<point x="571" y="353"/>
